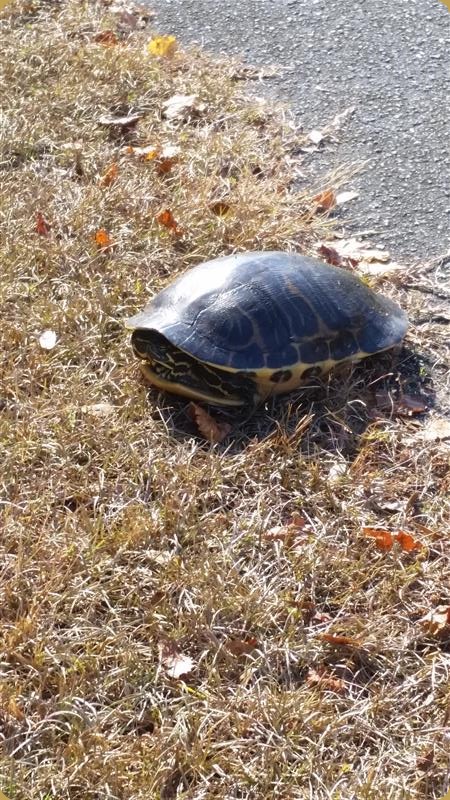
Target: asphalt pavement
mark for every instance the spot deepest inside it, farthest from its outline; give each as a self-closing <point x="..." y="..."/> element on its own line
<point x="388" y="58"/>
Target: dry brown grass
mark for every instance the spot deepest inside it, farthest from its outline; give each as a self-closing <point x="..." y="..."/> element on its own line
<point x="122" y="531"/>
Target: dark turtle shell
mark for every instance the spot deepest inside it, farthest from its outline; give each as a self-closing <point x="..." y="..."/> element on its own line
<point x="270" y="310"/>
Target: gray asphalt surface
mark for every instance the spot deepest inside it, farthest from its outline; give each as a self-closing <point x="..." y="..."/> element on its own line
<point x="389" y="58"/>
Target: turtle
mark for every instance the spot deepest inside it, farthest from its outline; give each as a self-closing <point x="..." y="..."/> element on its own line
<point x="236" y="329"/>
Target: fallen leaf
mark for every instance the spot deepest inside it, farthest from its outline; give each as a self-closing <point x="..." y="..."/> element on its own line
<point x="210" y="429"/>
<point x="358" y="251"/>
<point x="325" y="200"/>
<point x="330" y="254"/>
<point x="316" y="136"/>
<point x="324" y="679"/>
<point x="180" y="106"/>
<point x="175" y="663"/>
<point x="110" y="175"/>
<point x="124" y="121"/>
<point x="339" y="119"/>
<point x="42" y="226"/>
<point x="404" y="406"/>
<point x="288" y="532"/>
<point x="167" y="220"/>
<point x="47" y="340"/>
<point x="408" y="405"/>
<point x="98" y="409"/>
<point x="437" y="621"/>
<point x="370" y="255"/>
<point x="377" y="268"/>
<point x="385" y="539"/>
<point x="106" y="38"/>
<point x="162" y="46"/>
<point x="166" y="159"/>
<point x="345" y="197"/>
<point x="148" y="152"/>
<point x="102" y="238"/>
<point x="425" y="761"/>
<point x="407" y="542"/>
<point x="241" y="647"/>
<point x="220" y="208"/>
<point x="437" y="429"/>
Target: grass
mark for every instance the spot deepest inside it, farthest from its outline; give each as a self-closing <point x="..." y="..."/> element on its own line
<point x="126" y="539"/>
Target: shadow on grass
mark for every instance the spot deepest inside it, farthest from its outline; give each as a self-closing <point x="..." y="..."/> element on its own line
<point x="324" y="415"/>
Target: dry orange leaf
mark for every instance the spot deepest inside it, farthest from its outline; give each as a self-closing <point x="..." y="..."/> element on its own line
<point x="210" y="429"/>
<point x="384" y="539"/>
<point x="106" y="38"/>
<point x="167" y="219"/>
<point x="325" y="200"/>
<point x="175" y="663"/>
<point x="162" y="46"/>
<point x="241" y="647"/>
<point x="437" y="621"/>
<point x="407" y="542"/>
<point x="110" y="175"/>
<point x="102" y="238"/>
<point x="42" y="226"/>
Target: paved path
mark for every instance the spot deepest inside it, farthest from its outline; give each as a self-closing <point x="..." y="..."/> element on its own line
<point x="390" y="58"/>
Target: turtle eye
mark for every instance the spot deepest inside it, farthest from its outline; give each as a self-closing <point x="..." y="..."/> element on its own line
<point x="141" y="345"/>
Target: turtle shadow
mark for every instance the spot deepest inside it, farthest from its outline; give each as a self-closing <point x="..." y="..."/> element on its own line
<point x="329" y="415"/>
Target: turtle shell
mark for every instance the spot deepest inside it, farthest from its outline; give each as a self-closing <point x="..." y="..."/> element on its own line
<point x="270" y="310"/>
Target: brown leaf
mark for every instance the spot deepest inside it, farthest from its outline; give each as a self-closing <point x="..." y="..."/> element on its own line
<point x="425" y="761"/>
<point x="385" y="539"/>
<point x="322" y="678"/>
<point x="42" y="226"/>
<point x="220" y="208"/>
<point x="166" y="159"/>
<point x="102" y="238"/>
<point x="330" y="254"/>
<point x="408" y="405"/>
<point x="325" y="200"/>
<point x="241" y="647"/>
<point x="288" y="532"/>
<point x="110" y="175"/>
<point x="175" y="663"/>
<point x="437" y="621"/>
<point x="168" y="221"/>
<point x="210" y="429"/>
<point x="106" y="38"/>
<point x="404" y="406"/>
